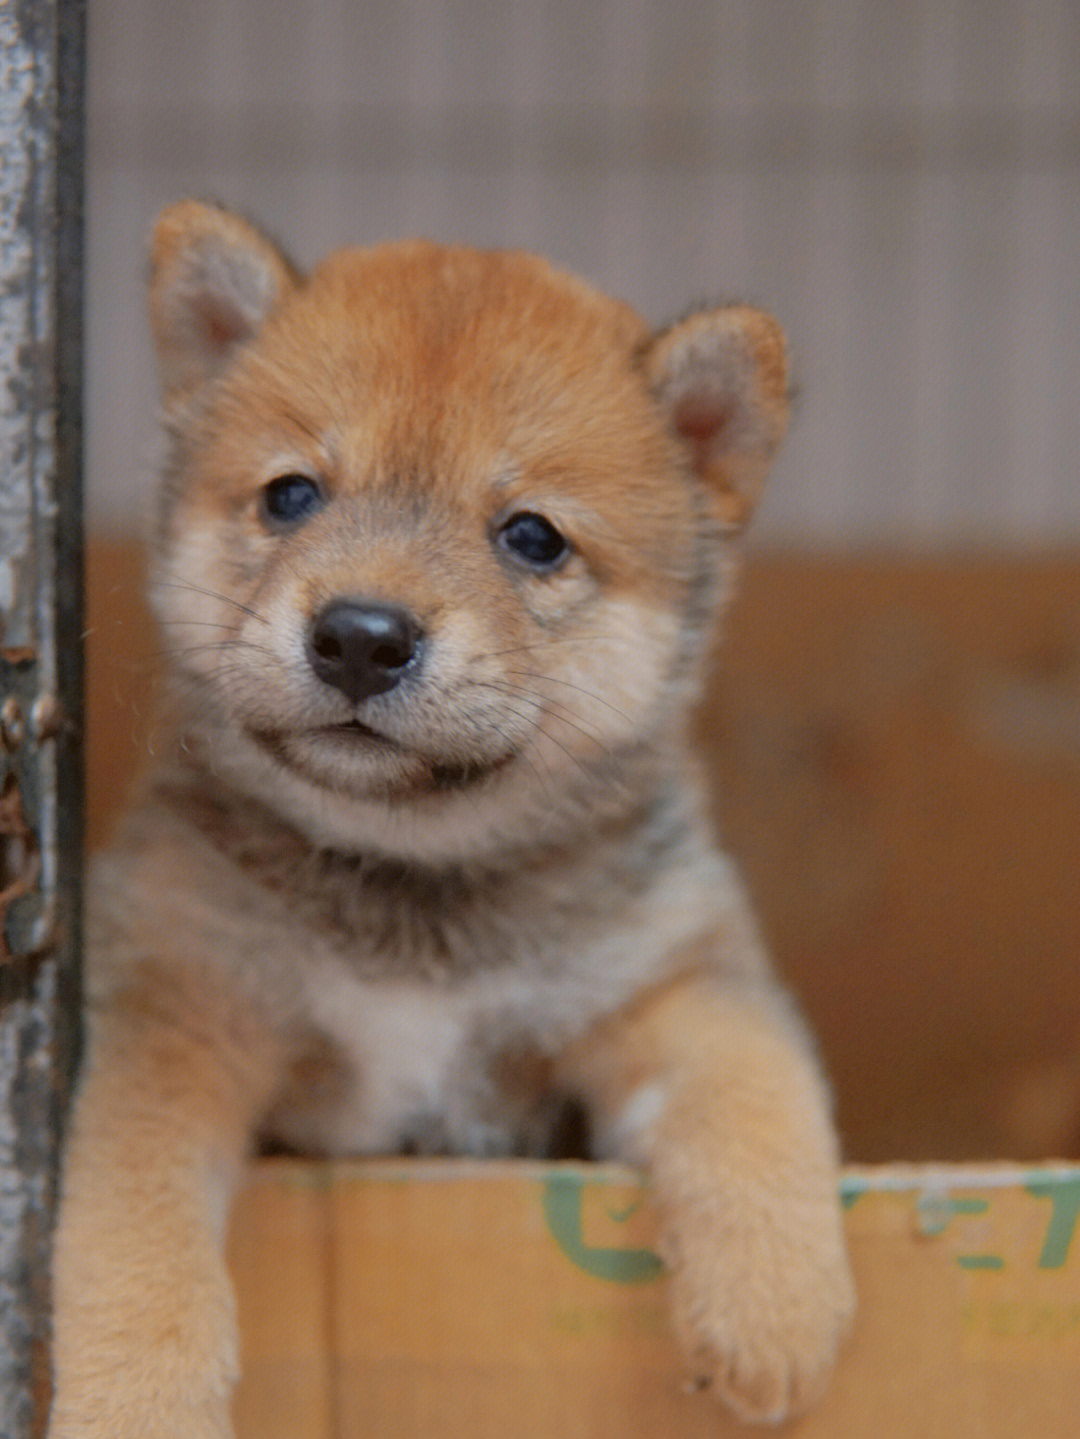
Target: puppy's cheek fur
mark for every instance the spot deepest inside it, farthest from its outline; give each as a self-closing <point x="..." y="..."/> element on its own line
<point x="202" y="587"/>
<point x="624" y="665"/>
<point x="181" y="588"/>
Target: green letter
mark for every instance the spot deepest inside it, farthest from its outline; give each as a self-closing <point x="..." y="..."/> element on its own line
<point x="562" y="1210"/>
<point x="1064" y="1195"/>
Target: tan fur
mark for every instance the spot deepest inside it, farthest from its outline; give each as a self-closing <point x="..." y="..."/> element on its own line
<point x="444" y="917"/>
<point x="738" y="1143"/>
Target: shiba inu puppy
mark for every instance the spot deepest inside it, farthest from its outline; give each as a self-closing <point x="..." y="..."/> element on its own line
<point x="423" y="862"/>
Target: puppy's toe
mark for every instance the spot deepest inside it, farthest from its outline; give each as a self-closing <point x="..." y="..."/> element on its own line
<point x="766" y="1346"/>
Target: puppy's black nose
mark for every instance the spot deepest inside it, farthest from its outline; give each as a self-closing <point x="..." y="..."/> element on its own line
<point x="362" y="648"/>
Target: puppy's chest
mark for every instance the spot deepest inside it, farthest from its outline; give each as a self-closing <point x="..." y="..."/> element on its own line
<point x="437" y="1008"/>
<point x="419" y="1067"/>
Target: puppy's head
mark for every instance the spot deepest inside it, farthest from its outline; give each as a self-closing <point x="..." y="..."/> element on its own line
<point x="443" y="531"/>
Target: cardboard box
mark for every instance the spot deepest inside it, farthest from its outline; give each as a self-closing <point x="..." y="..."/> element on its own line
<point x="442" y="1299"/>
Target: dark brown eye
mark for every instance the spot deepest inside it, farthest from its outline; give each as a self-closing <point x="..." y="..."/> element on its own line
<point x="291" y="499"/>
<point x="533" y="540"/>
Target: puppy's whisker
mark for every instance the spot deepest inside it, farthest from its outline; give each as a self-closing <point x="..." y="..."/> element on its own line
<point x="538" y="734"/>
<point x="217" y="647"/>
<point x="547" y="706"/>
<point x="520" y="750"/>
<point x="177" y="583"/>
<point x="209" y="624"/>
<point x="519" y="753"/>
<point x="547" y="643"/>
<point x="541" y="780"/>
<point x="551" y="680"/>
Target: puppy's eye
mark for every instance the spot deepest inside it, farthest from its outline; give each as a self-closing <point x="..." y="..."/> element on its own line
<point x="533" y="540"/>
<point x="291" y="499"/>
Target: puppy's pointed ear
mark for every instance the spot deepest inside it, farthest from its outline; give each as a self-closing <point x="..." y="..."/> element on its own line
<point x="721" y="377"/>
<point x="213" y="281"/>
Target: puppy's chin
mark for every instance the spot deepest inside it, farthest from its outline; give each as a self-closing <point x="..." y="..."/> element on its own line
<point x="357" y="761"/>
<point x="399" y="805"/>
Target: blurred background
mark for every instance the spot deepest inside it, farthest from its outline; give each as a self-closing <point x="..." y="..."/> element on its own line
<point x="894" y="730"/>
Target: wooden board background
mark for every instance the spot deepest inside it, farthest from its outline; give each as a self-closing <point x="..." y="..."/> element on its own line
<point x="895" y="752"/>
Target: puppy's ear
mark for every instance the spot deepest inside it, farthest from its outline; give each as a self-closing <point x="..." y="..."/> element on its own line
<point x="721" y="377"/>
<point x="213" y="281"/>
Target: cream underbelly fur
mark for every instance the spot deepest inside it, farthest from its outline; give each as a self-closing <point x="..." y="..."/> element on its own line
<point x="413" y="1047"/>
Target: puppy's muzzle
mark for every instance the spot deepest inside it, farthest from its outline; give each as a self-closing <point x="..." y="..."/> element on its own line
<point x="363" y="648"/>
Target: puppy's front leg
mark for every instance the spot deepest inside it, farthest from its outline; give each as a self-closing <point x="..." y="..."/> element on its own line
<point x="710" y="1083"/>
<point x="144" y="1328"/>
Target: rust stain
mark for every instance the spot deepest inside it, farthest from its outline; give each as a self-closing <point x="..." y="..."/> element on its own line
<point x="20" y="859"/>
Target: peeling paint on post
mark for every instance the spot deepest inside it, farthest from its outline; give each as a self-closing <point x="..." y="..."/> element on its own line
<point x="41" y="79"/>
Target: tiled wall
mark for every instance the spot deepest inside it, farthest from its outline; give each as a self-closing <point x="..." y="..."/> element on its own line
<point x="900" y="182"/>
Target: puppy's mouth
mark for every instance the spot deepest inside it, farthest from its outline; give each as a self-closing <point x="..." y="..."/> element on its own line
<point x="350" y="736"/>
<point x="320" y="755"/>
<point x="355" y="732"/>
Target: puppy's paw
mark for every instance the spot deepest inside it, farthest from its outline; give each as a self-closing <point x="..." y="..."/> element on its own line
<point x="761" y="1302"/>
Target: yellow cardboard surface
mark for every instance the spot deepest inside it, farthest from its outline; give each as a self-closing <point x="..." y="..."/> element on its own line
<point x="443" y="1299"/>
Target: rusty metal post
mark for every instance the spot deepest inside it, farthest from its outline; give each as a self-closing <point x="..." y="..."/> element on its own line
<point x="41" y="189"/>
